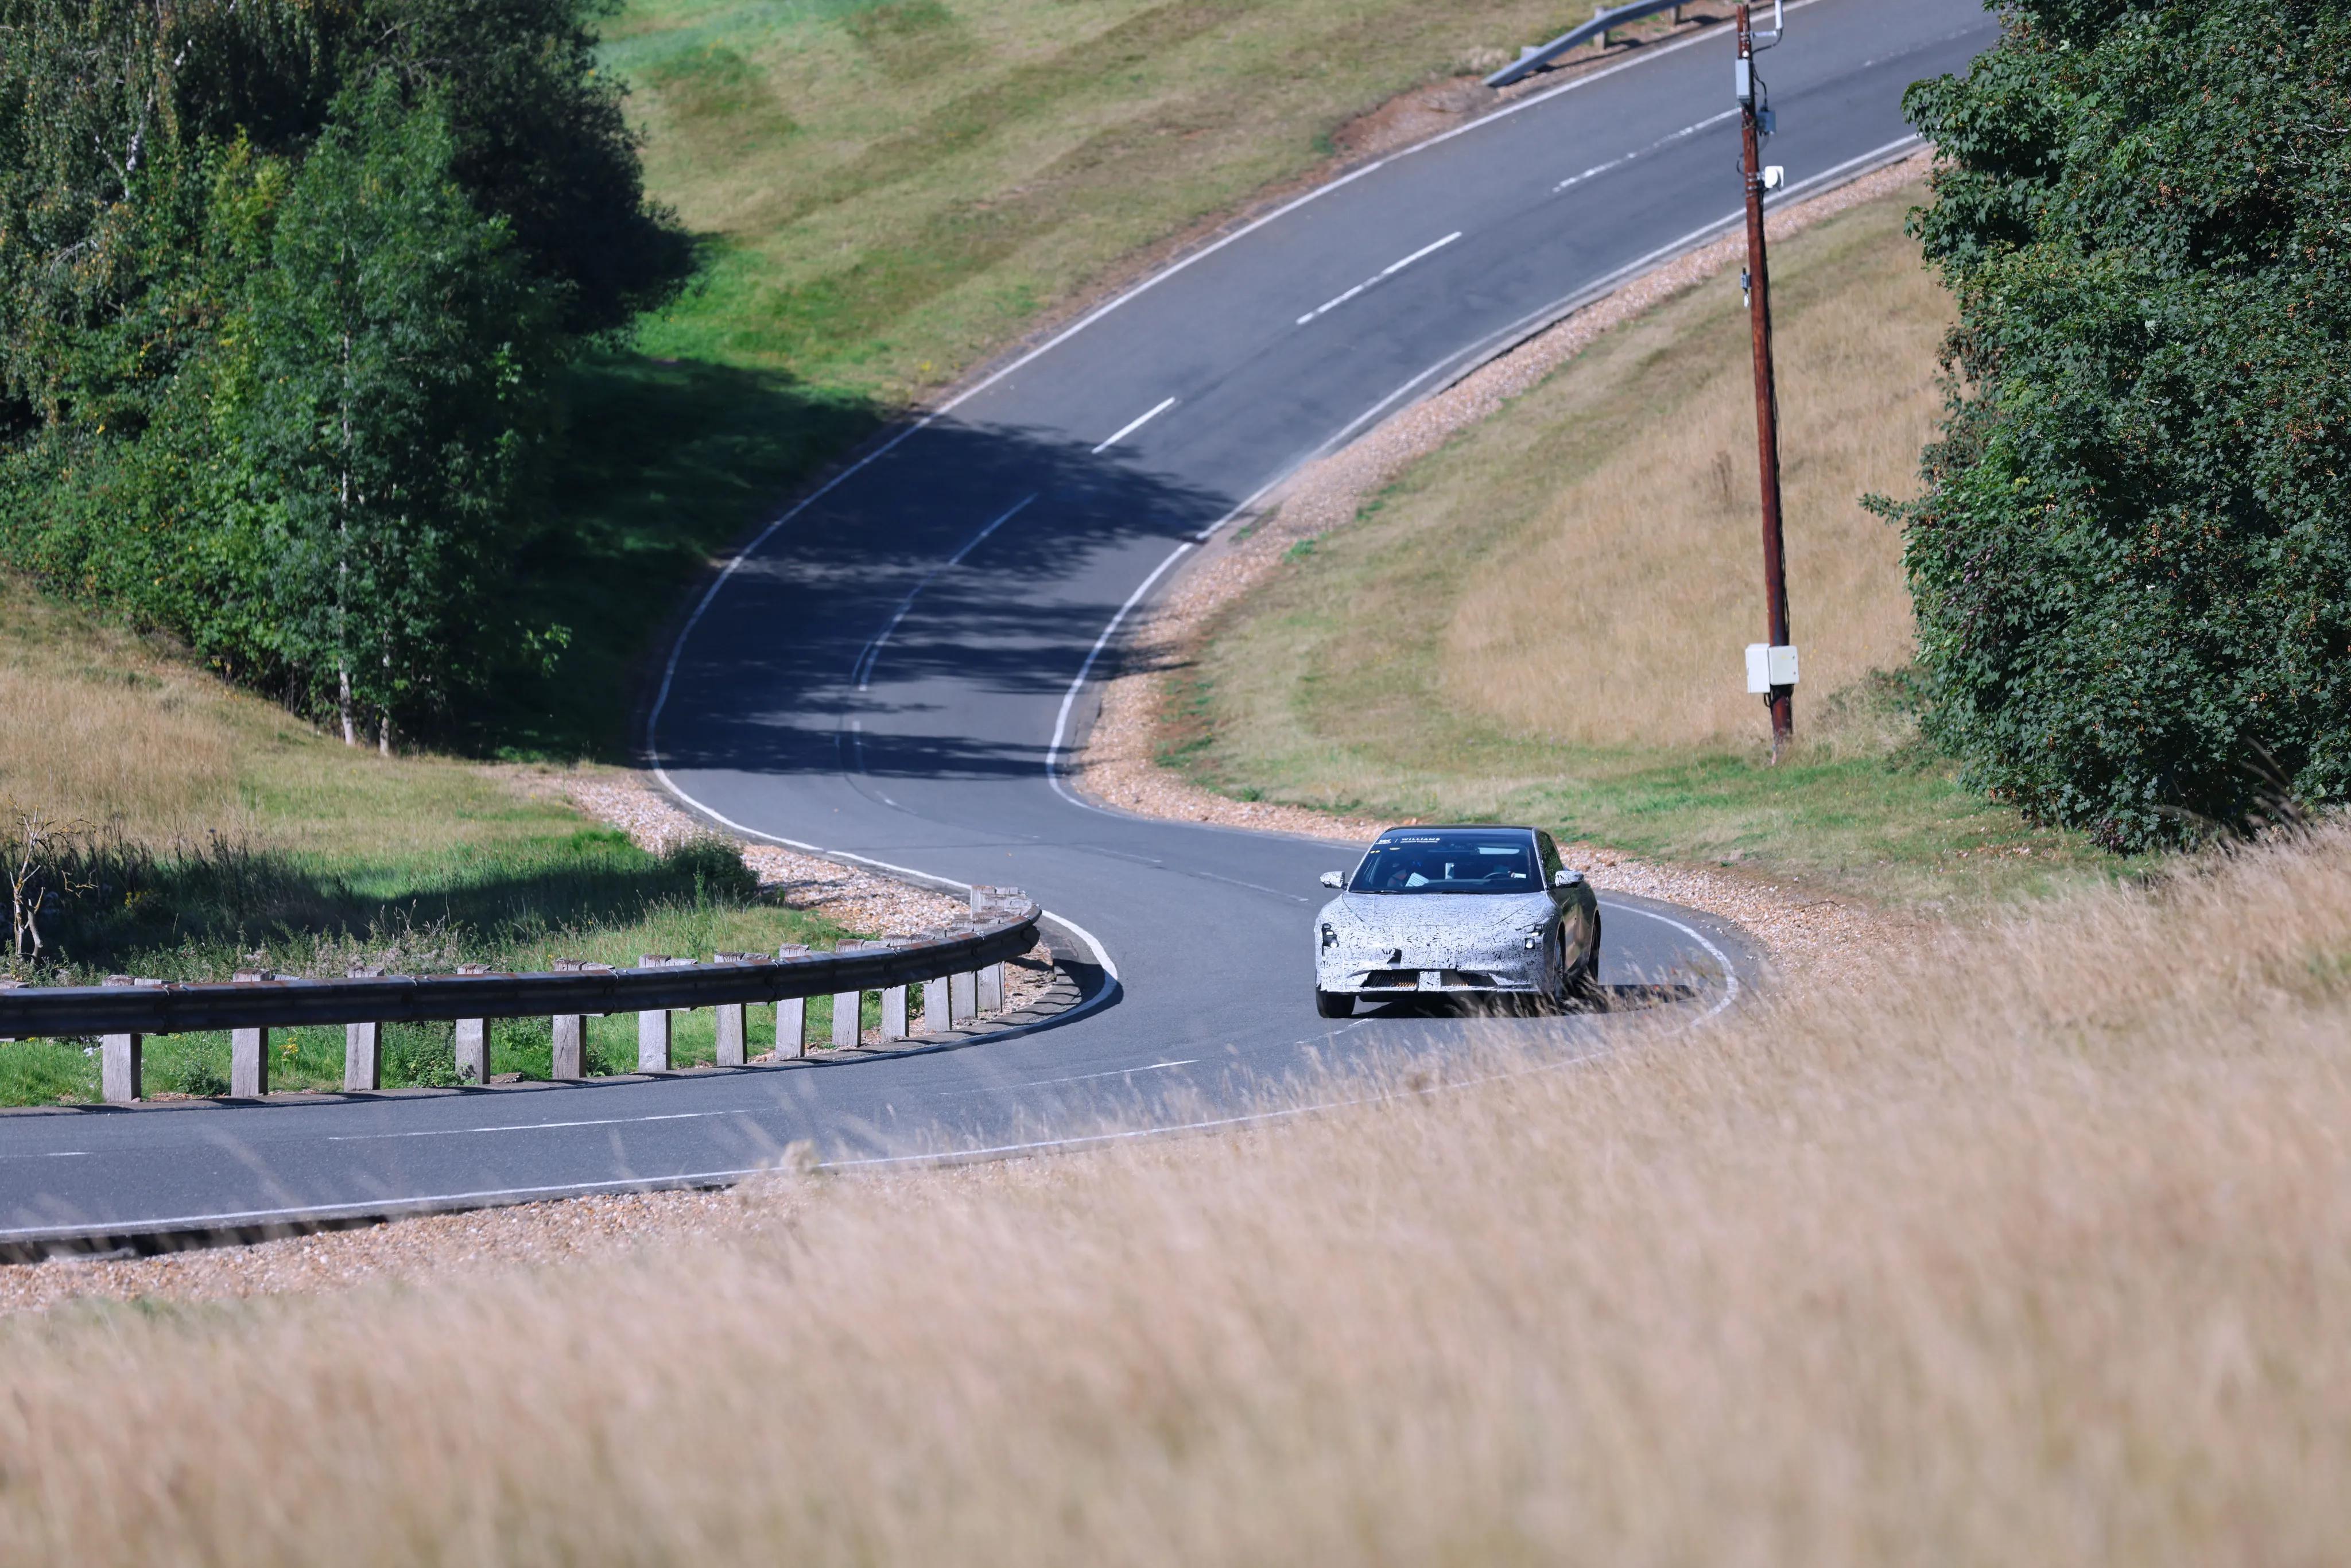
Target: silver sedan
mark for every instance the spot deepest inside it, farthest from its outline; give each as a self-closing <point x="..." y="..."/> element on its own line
<point x="1454" y="911"/>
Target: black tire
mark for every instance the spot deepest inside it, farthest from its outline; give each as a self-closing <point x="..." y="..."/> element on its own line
<point x="1561" y="1000"/>
<point x="1587" y="988"/>
<point x="1333" y="1004"/>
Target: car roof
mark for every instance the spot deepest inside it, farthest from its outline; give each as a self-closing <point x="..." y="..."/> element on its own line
<point x="1453" y="828"/>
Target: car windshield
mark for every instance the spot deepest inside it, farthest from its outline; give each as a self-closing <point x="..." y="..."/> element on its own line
<point x="1448" y="862"/>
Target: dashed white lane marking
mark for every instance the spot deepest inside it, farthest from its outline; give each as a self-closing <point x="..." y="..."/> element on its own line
<point x="529" y="1126"/>
<point x="872" y="650"/>
<point x="1388" y="271"/>
<point x="1130" y="429"/>
<point x="1685" y="131"/>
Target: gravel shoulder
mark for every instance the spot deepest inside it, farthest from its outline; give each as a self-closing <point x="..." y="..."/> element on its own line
<point x="1806" y="936"/>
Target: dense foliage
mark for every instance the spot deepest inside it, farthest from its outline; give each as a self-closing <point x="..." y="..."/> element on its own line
<point x="285" y="289"/>
<point x="2132" y="559"/>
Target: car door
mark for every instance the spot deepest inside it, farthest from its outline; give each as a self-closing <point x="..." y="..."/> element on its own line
<point x="1576" y="904"/>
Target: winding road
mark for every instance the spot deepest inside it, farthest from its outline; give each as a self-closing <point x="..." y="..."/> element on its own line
<point x="895" y="670"/>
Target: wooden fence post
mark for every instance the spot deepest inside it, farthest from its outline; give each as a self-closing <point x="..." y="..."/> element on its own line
<point x="473" y="1038"/>
<point x="733" y="1019"/>
<point x="121" y="1058"/>
<point x="248" y="1050"/>
<point x="653" y="1027"/>
<point x="568" y="1056"/>
<point x="791" y="1014"/>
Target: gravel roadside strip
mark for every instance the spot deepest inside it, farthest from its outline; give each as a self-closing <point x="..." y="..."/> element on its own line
<point x="1809" y="936"/>
<point x="1806" y="936"/>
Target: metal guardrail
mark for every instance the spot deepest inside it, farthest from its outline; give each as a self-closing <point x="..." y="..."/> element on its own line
<point x="1535" y="59"/>
<point x="960" y="970"/>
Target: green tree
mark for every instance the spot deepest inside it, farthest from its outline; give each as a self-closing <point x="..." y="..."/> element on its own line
<point x="2132" y="557"/>
<point x="399" y="370"/>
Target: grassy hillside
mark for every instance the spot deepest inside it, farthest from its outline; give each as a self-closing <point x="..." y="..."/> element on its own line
<point x="2035" y="1251"/>
<point x="886" y="192"/>
<point x="214" y="831"/>
<point x="1545" y="619"/>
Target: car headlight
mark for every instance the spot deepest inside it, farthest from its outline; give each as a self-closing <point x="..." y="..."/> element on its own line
<point x="1330" y="935"/>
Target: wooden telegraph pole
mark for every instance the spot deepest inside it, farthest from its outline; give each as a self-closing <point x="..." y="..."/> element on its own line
<point x="1781" y="671"/>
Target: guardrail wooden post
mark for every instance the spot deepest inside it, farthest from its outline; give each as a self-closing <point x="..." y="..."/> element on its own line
<point x="362" y="1048"/>
<point x="731" y="1020"/>
<point x="935" y="1007"/>
<point x="568" y="1054"/>
<point x="893" y="997"/>
<point x="121" y="1058"/>
<point x="988" y="983"/>
<point x="473" y="1038"/>
<point x="848" y="1007"/>
<point x="653" y="1027"/>
<point x="791" y="1014"/>
<point x="963" y="987"/>
<point x="9" y="983"/>
<point x="248" y="1050"/>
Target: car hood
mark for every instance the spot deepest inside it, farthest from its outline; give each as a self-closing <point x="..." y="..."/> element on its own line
<point x="1402" y="916"/>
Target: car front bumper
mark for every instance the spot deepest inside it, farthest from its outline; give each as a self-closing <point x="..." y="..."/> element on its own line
<point x="1466" y="973"/>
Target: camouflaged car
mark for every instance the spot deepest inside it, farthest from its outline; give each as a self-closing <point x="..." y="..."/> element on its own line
<point x="1454" y="911"/>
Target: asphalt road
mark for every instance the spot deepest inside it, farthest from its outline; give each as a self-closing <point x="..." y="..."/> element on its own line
<point x="887" y="674"/>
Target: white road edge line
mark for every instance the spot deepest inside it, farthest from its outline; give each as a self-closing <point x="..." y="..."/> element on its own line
<point x="1127" y="430"/>
<point x="1602" y="285"/>
<point x="735" y="563"/>
<point x="872" y="650"/>
<point x="530" y="1126"/>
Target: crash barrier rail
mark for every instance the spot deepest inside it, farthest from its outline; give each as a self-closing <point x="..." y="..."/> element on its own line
<point x="1534" y="58"/>
<point x="960" y="971"/>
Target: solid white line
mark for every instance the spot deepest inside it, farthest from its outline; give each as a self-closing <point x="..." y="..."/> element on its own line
<point x="872" y="650"/>
<point x="1062" y="720"/>
<point x="1729" y="970"/>
<point x="1078" y="1077"/>
<point x="1426" y="250"/>
<point x="1130" y="429"/>
<point x="529" y="1126"/>
<point x="735" y="563"/>
<point x="1610" y="280"/>
<point x="677" y="648"/>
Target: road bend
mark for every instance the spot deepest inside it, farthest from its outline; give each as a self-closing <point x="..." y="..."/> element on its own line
<point x="895" y="669"/>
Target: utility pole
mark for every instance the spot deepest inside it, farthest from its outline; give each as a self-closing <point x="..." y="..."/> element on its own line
<point x="1779" y="676"/>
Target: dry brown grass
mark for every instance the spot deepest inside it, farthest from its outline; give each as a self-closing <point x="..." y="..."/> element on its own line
<point x="2037" y="1252"/>
<point x="1639" y="582"/>
<point x="96" y="728"/>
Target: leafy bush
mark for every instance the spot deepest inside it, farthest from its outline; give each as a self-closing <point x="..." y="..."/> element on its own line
<point x="285" y="290"/>
<point x="2132" y="559"/>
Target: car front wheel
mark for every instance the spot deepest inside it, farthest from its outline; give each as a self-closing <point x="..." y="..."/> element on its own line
<point x="1333" y="1004"/>
<point x="1587" y="974"/>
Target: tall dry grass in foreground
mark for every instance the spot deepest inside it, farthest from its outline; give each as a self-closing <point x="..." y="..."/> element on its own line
<point x="2036" y="1252"/>
<point x="1639" y="582"/>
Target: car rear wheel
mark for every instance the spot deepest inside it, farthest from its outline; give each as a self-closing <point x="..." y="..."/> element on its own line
<point x="1333" y="1004"/>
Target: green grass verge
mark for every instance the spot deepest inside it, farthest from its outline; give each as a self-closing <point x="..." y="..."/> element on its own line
<point x="884" y="193"/>
<point x="1330" y="686"/>
<point x="210" y="831"/>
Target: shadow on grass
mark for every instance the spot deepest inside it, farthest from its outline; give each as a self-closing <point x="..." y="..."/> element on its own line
<point x="199" y="911"/>
<point x="667" y="464"/>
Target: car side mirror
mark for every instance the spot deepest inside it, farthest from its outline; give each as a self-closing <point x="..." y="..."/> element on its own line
<point x="1335" y="879"/>
<point x="1566" y="877"/>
